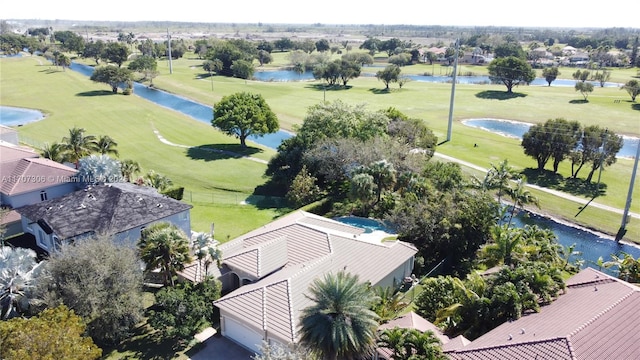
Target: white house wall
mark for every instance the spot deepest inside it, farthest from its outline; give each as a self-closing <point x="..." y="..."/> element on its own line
<point x="396" y="277"/>
<point x="33" y="197"/>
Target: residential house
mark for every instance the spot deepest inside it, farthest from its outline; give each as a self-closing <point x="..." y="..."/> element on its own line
<point x="29" y="179"/>
<point x="595" y="319"/>
<point x="121" y="210"/>
<point x="269" y="271"/>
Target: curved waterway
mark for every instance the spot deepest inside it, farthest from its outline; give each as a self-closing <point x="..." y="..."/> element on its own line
<point x="589" y="244"/>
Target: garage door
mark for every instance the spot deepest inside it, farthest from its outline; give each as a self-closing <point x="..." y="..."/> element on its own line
<point x="241" y="334"/>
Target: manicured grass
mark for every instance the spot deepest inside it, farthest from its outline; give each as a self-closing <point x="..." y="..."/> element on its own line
<point x="71" y="99"/>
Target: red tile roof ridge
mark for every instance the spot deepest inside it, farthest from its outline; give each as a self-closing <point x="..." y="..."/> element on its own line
<point x="602" y="313"/>
<point x="532" y="342"/>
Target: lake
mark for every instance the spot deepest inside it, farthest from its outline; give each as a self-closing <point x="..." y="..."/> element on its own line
<point x="517" y="129"/>
<point x="591" y="245"/>
<point x="12" y="116"/>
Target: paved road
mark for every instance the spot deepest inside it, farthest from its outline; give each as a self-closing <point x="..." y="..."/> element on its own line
<point x="561" y="194"/>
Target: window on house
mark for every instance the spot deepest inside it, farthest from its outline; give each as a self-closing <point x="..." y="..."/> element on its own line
<point x="43" y="195"/>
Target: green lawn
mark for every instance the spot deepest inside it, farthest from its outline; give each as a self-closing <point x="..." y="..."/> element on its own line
<point x="131" y="122"/>
<point x="70" y="99"/>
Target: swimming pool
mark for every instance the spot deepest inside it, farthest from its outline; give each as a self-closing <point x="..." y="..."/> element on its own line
<point x="368" y="224"/>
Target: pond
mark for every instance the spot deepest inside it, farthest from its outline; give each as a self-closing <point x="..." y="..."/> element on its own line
<point x="12" y="116"/>
<point x="290" y="75"/>
<point x="517" y="129"/>
<point x="592" y="246"/>
<point x="188" y="107"/>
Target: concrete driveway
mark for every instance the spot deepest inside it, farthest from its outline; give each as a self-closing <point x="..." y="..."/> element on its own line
<point x="218" y="347"/>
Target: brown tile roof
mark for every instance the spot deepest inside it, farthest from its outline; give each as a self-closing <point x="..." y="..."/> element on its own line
<point x="411" y="320"/>
<point x="595" y="319"/>
<point x="274" y="302"/>
<point x="31" y="174"/>
<point x="9" y="152"/>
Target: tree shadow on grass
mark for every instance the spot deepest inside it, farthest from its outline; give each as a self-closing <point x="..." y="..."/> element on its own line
<point x="579" y="101"/>
<point x="148" y="344"/>
<point x="212" y="152"/>
<point x="379" y="91"/>
<point x="95" y="93"/>
<point x="323" y="87"/>
<point x="499" y="95"/>
<point x="550" y="180"/>
<point x="635" y="107"/>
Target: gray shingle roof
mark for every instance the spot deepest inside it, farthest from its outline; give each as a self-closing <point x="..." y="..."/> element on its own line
<point x="103" y="209"/>
<point x="595" y="319"/>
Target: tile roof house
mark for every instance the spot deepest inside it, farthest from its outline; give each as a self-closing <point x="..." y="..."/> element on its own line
<point x="118" y="209"/>
<point x="29" y="179"/>
<point x="272" y="267"/>
<point x="596" y="319"/>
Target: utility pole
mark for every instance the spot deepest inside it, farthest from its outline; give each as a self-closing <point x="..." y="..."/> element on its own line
<point x="453" y="91"/>
<point x="625" y="215"/>
<point x="169" y="42"/>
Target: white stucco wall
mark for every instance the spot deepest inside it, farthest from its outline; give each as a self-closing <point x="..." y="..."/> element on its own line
<point x="33" y="197"/>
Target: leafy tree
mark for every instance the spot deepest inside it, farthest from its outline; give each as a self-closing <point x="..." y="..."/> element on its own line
<point x="554" y="139"/>
<point x="628" y="267"/>
<point x="605" y="155"/>
<point x="401" y="59"/>
<point x="550" y="74"/>
<point x="264" y="57"/>
<point x="581" y="75"/>
<point x="115" y="52"/>
<point x="55" y="333"/>
<point x="98" y="169"/>
<point x="633" y="88"/>
<point x="348" y="70"/>
<point x="111" y="75"/>
<point x="280" y="352"/>
<point x="283" y="44"/>
<point x="509" y="49"/>
<point x="101" y="281"/>
<point x="182" y="311"/>
<point x="244" y="114"/>
<point x="212" y="66"/>
<point x="510" y="71"/>
<point x="70" y="41"/>
<point x="230" y="51"/>
<point x="585" y="88"/>
<point x="303" y="189"/>
<point x="602" y="77"/>
<point x="145" y="65"/>
<point x="339" y="324"/>
<point x="242" y="69"/>
<point x="329" y="72"/>
<point x="163" y="246"/>
<point x="19" y="270"/>
<point x="93" y="50"/>
<point x="78" y="145"/>
<point x="391" y="45"/>
<point x="306" y="45"/>
<point x="63" y="61"/>
<point x="372" y="44"/>
<point x="390" y="74"/>
<point x="322" y="45"/>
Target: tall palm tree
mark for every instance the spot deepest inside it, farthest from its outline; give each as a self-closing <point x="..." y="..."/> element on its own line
<point x="128" y="168"/>
<point x="394" y="340"/>
<point x="499" y="176"/>
<point x="520" y="197"/>
<point x="78" y="145"/>
<point x="53" y="151"/>
<point x="157" y="181"/>
<point x="166" y="247"/>
<point x="424" y="345"/>
<point x="340" y="324"/>
<point x="502" y="248"/>
<point x="206" y="251"/>
<point x="106" y="145"/>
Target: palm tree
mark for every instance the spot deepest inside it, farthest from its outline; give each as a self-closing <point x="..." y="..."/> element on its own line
<point x="106" y="145"/>
<point x="128" y="168"/>
<point x="53" y="151"/>
<point x="501" y="250"/>
<point x="78" y="145"/>
<point x="340" y="324"/>
<point x="166" y="247"/>
<point x="18" y="271"/>
<point x="499" y="176"/>
<point x="520" y="197"/>
<point x="394" y="340"/>
<point x="424" y="345"/>
<point x="205" y="250"/>
<point x="389" y="303"/>
<point x="157" y="181"/>
<point x="95" y="169"/>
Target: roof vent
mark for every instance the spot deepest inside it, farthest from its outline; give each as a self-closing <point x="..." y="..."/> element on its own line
<point x="49" y="208"/>
<point x="82" y="206"/>
<point x="158" y="205"/>
<point x="522" y="331"/>
<point x="595" y="288"/>
<point x="510" y="337"/>
<point x="139" y="199"/>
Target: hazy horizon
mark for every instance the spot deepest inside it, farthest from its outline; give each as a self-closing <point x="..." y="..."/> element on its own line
<point x="498" y="13"/>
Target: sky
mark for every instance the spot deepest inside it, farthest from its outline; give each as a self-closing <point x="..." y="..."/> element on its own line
<point x="536" y="13"/>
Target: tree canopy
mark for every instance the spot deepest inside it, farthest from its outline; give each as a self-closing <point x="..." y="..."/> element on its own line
<point x="244" y="114"/>
<point x="510" y="71"/>
<point x="112" y="75"/>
